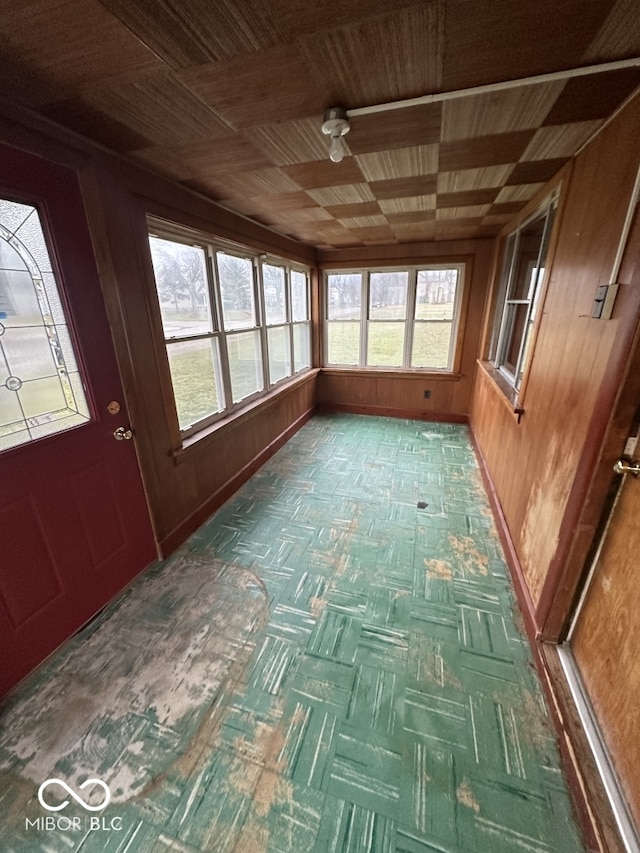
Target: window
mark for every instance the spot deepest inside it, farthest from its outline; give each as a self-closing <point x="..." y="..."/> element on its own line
<point x="523" y="264"/>
<point x="235" y="323"/>
<point x="403" y="318"/>
<point x="41" y="390"/>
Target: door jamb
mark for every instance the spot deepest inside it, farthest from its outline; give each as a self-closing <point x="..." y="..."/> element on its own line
<point x="618" y="400"/>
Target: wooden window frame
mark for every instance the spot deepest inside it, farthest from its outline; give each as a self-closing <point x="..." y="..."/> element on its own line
<point x="211" y="244"/>
<point x="410" y="321"/>
<point x="502" y="333"/>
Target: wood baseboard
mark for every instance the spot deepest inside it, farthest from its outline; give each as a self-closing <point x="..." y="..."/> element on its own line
<point x="386" y="412"/>
<point x="179" y="534"/>
<point x="551" y="680"/>
<point x="527" y="607"/>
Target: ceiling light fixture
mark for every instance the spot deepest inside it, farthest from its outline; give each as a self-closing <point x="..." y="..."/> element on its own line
<point x="335" y="125"/>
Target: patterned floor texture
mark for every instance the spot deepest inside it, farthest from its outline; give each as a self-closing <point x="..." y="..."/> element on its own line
<point x="332" y="663"/>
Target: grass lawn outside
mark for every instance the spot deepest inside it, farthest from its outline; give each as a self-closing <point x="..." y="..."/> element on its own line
<point x="197" y="378"/>
<point x="431" y="338"/>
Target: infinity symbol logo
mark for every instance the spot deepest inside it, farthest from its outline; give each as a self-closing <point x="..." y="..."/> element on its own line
<point x="103" y="785"/>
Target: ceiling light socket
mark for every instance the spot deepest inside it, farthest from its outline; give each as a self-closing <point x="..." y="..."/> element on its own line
<point x="335" y="125"/>
<point x="335" y="122"/>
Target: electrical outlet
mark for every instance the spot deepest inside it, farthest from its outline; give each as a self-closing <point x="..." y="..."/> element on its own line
<point x="427" y="394"/>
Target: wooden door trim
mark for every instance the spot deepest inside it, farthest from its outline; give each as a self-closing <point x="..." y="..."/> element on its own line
<point x="609" y="427"/>
<point x="585" y="781"/>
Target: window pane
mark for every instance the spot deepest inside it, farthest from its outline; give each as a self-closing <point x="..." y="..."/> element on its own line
<point x="181" y="282"/>
<point x="524" y="277"/>
<point x="236" y="286"/>
<point x="436" y="294"/>
<point x="28" y="352"/>
<point x="299" y="297"/>
<point x="517" y="310"/>
<point x="431" y="345"/>
<point x="245" y="364"/>
<point x="42" y="395"/>
<point x="343" y="296"/>
<point x="275" y="306"/>
<point x="388" y="295"/>
<point x="40" y="388"/>
<point x="195" y="373"/>
<point x="386" y="344"/>
<point x="301" y="346"/>
<point x="343" y="343"/>
<point x="19" y="304"/>
<point x="279" y="353"/>
<point x="517" y="316"/>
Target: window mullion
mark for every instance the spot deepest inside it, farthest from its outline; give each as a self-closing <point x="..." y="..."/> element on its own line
<point x="504" y="298"/>
<point x="258" y="287"/>
<point x="212" y="268"/>
<point x="288" y="313"/>
<point x="523" y="343"/>
<point x="364" y="315"/>
<point x="455" y="319"/>
<point x="410" y="316"/>
<point x="533" y="290"/>
<point x="504" y="324"/>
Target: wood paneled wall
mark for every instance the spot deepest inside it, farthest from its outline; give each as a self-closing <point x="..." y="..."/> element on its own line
<point x="541" y="465"/>
<point x="388" y="392"/>
<point x="184" y="485"/>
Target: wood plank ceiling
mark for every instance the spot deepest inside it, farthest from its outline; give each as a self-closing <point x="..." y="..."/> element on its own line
<point x="227" y="96"/>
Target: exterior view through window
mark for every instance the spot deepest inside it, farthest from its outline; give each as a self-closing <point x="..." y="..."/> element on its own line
<point x="235" y="324"/>
<point x="523" y="264"/>
<point x="41" y="390"/>
<point x="405" y="318"/>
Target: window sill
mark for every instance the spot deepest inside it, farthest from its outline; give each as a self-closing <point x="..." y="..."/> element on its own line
<point x="508" y="394"/>
<point x="392" y="372"/>
<point x="201" y="440"/>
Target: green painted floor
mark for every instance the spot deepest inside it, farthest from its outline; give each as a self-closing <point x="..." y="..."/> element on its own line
<point x="330" y="664"/>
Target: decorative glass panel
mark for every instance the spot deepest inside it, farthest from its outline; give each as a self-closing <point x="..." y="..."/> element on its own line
<point x="181" y="282"/>
<point x="41" y="390"/>
<point x="195" y="373"/>
<point x="245" y="364"/>
<point x="299" y="297"/>
<point x="275" y="305"/>
<point x="279" y="353"/>
<point x="236" y="287"/>
<point x="301" y="346"/>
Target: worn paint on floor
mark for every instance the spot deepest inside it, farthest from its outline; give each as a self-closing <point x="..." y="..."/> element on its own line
<point x="332" y="663"/>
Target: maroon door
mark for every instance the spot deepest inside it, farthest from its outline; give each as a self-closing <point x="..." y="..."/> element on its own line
<point x="74" y="522"/>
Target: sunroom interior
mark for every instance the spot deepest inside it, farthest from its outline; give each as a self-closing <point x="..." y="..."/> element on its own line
<point x="210" y="283"/>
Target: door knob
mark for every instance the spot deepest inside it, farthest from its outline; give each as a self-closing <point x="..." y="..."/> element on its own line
<point x="123" y="434"/>
<point x="623" y="466"/>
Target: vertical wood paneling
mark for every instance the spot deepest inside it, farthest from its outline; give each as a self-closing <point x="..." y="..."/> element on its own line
<point x="182" y="487"/>
<point x="611" y="674"/>
<point x="534" y="464"/>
